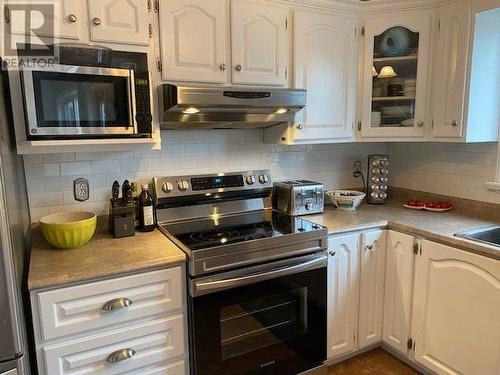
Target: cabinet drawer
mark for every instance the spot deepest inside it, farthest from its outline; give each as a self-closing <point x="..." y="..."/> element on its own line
<point x="79" y="308"/>
<point x="154" y="343"/>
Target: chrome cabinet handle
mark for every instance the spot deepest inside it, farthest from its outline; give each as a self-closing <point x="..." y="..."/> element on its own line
<point x="300" y="126"/>
<point x="370" y="247"/>
<point x="121" y="355"/>
<point x="454" y="123"/>
<point x="239" y="68"/>
<point x="117" y="304"/>
<point x="222" y="67"/>
<point x="420" y="124"/>
<point x="96" y="21"/>
<point x="332" y="253"/>
<point x="72" y="18"/>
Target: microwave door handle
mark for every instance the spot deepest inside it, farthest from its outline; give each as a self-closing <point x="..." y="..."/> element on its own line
<point x="132" y="101"/>
<point x="201" y="287"/>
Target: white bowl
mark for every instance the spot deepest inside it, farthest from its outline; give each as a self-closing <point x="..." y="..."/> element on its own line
<point x="345" y="200"/>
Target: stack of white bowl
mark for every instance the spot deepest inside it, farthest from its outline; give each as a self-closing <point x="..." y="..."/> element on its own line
<point x="376" y="119"/>
<point x="410" y="87"/>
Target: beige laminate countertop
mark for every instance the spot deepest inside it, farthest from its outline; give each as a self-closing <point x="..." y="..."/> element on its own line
<point x="105" y="256"/>
<point x="102" y="257"/>
<point x="439" y="227"/>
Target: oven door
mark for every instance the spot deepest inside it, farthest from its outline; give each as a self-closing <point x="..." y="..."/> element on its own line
<point x="65" y="100"/>
<point x="268" y="319"/>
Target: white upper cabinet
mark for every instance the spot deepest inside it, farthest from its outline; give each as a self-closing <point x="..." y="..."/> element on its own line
<point x="457" y="304"/>
<point x="371" y="299"/>
<point x="395" y="74"/>
<point x="482" y="109"/>
<point x="194" y="39"/>
<point x="450" y="69"/>
<point x="64" y="21"/>
<point x="325" y="57"/>
<point x="343" y="286"/>
<point x="259" y="43"/>
<point x="398" y="290"/>
<point x="124" y="21"/>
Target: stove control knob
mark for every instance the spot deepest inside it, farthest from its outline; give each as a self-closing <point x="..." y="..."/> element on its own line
<point x="167" y="187"/>
<point x="183" y="185"/>
<point x="250" y="180"/>
<point x="263" y="178"/>
<point x="308" y="206"/>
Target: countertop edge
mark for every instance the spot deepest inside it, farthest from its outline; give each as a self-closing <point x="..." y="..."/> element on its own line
<point x="456" y="242"/>
<point x="53" y="283"/>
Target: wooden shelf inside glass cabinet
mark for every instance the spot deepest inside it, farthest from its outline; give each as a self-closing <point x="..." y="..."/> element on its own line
<point x="396" y="58"/>
<point x="392" y="98"/>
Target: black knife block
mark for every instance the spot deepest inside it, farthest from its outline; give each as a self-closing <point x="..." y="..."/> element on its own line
<point x="121" y="218"/>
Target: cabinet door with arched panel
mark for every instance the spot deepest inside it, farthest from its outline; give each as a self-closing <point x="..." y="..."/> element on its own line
<point x="343" y="293"/>
<point x="119" y="21"/>
<point x="325" y="57"/>
<point x="456" y="313"/>
<point x="194" y="40"/>
<point x="260" y="43"/>
<point x="398" y="290"/>
<point x="395" y="75"/>
<point x="371" y="287"/>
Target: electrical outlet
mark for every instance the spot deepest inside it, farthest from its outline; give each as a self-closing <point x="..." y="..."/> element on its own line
<point x="356" y="168"/>
<point x="81" y="189"/>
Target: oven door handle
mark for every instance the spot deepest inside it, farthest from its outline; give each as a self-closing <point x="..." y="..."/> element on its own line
<point x="200" y="287"/>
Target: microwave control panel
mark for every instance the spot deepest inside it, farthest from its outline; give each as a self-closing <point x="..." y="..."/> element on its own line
<point x="143" y="115"/>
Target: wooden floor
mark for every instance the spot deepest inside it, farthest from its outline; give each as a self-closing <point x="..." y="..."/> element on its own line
<point x="374" y="362"/>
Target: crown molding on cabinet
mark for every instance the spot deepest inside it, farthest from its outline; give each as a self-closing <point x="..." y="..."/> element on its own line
<point x="367" y="7"/>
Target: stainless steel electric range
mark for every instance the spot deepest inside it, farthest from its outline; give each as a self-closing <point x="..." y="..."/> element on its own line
<point x="256" y="277"/>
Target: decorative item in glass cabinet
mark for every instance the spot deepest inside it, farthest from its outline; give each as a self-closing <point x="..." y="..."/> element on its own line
<point x="387" y="72"/>
<point x="395" y="42"/>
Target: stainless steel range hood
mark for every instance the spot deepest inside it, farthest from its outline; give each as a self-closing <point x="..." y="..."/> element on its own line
<point x="228" y="107"/>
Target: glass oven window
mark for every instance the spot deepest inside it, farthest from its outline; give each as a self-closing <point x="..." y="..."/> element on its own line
<point x="259" y="323"/>
<point x="276" y="326"/>
<point x="80" y="100"/>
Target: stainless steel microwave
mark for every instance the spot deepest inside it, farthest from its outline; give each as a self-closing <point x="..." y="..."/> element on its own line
<point x="68" y="101"/>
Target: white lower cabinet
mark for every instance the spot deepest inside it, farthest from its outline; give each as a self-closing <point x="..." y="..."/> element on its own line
<point x="457" y="311"/>
<point x="126" y="325"/>
<point x="355" y="291"/>
<point x="150" y="346"/>
<point x="371" y="287"/>
<point x="437" y="305"/>
<point x="398" y="290"/>
<point x="343" y="263"/>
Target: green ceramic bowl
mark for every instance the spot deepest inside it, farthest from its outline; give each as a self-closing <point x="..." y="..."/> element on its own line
<point x="69" y="230"/>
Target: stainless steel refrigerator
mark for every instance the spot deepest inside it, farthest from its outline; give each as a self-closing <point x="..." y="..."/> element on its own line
<point x="14" y="243"/>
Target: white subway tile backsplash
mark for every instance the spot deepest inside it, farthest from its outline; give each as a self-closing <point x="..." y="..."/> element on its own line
<point x="55" y="158"/>
<point x="54" y="184"/>
<point x="134" y="165"/>
<point x="450" y="169"/>
<point x="37" y="213"/>
<point x="35" y="158"/>
<point x="45" y="199"/>
<point x="118" y="155"/>
<point x="161" y="164"/>
<point x="51" y="169"/>
<point x="90" y="156"/>
<point x="33" y="170"/>
<point x="76" y="168"/>
<point x="458" y="170"/>
<point x="196" y="149"/>
<point x="104" y="166"/>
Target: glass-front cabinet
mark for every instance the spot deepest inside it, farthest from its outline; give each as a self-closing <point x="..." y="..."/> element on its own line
<point x="395" y="74"/>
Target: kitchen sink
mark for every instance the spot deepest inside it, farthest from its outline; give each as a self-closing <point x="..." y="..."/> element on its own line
<point x="488" y="235"/>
